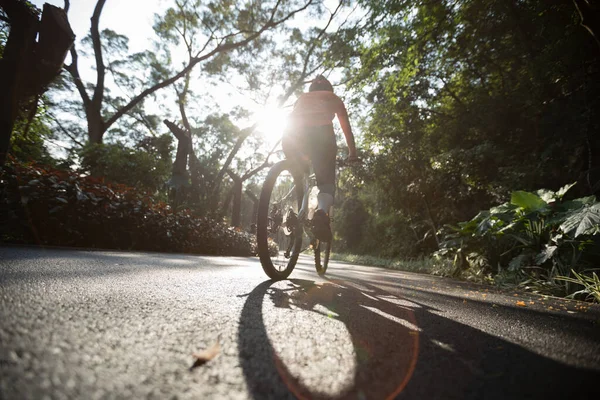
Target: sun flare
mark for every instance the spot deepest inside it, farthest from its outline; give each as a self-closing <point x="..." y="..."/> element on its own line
<point x="272" y="122"/>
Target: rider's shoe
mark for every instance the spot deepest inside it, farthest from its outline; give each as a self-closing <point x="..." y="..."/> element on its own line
<point x="320" y="226"/>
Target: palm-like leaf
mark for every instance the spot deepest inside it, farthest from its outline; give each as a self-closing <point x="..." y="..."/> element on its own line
<point x="584" y="221"/>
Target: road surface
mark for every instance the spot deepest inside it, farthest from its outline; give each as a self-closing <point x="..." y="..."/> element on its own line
<point x="107" y="324"/>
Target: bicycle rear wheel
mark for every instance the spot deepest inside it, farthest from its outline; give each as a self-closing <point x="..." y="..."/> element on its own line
<point x="278" y="228"/>
<point x="322" y="249"/>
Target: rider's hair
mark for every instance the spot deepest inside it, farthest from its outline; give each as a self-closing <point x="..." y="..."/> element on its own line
<point x="320" y="83"/>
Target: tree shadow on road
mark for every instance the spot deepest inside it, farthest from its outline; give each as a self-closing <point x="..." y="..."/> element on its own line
<point x="401" y="349"/>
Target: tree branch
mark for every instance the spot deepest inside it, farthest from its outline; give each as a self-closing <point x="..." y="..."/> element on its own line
<point x="238" y="144"/>
<point x="179" y="133"/>
<point x="219" y="49"/>
<point x="182" y="102"/>
<point x="65" y="131"/>
<point x="73" y="69"/>
<point x="307" y="58"/>
<point x="100" y="68"/>
<point x="590" y="18"/>
<point x="262" y="166"/>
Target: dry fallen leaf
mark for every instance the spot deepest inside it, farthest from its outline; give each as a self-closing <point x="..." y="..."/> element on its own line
<point x="521" y="304"/>
<point x="204" y="356"/>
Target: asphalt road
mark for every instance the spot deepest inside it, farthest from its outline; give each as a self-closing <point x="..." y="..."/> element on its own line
<point x="103" y="324"/>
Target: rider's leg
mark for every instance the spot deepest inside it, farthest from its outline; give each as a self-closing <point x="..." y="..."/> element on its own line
<point x="325" y="198"/>
<point x="322" y="153"/>
<point x="294" y="144"/>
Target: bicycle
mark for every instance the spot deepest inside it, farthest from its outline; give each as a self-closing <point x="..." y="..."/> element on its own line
<point x="283" y="215"/>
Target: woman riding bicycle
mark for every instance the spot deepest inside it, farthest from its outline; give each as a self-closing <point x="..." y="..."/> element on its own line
<point x="310" y="137"/>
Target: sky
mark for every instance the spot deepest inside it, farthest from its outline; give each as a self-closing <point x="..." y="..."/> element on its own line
<point x="133" y="18"/>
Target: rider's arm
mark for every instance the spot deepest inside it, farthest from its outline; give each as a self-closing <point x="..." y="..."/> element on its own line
<point x="342" y="115"/>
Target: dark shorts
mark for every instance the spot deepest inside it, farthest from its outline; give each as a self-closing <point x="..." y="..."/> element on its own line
<point x="317" y="144"/>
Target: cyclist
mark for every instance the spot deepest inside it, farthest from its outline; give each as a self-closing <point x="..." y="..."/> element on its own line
<point x="310" y="137"/>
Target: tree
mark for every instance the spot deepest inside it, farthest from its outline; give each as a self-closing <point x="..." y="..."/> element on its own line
<point x="223" y="29"/>
<point x="470" y="100"/>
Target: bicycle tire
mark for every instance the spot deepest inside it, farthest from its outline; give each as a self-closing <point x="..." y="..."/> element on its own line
<point x="322" y="267"/>
<point x="275" y="270"/>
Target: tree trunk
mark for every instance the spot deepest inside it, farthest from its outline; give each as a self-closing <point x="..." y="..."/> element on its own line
<point x="17" y="53"/>
<point x="216" y="185"/>
<point x="95" y="124"/>
<point x="28" y="67"/>
<point x="431" y="221"/>
<point x="183" y="148"/>
<point x="255" y="201"/>
<point x="179" y="175"/>
<point x="236" y="209"/>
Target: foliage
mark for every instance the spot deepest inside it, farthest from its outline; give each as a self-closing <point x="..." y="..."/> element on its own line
<point x="147" y="166"/>
<point x="46" y="206"/>
<point x="537" y="237"/>
<point x="590" y="283"/>
<point x="364" y="212"/>
<point x="352" y="219"/>
<point x="30" y="134"/>
<point x="469" y="101"/>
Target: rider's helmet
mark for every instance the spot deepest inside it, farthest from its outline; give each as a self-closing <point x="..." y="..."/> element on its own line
<point x="320" y="83"/>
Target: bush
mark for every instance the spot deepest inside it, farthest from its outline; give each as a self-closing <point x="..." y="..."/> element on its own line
<point x="536" y="240"/>
<point x="147" y="166"/>
<point x="45" y="206"/>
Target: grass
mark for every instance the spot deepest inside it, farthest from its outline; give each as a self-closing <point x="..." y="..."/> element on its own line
<point x="424" y="265"/>
<point x="590" y="283"/>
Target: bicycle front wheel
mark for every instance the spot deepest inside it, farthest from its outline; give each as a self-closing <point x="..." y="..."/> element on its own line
<point x="278" y="228"/>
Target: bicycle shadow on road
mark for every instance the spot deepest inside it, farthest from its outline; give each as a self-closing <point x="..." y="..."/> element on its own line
<point x="398" y="349"/>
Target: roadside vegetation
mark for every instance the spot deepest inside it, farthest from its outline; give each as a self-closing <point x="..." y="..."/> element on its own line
<point x="46" y="206"/>
<point x="477" y="122"/>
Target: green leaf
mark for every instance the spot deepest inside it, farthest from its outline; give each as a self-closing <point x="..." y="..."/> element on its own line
<point x="585" y="221"/>
<point x="545" y="254"/>
<point x="547" y="195"/>
<point x="563" y="190"/>
<point x="579" y="203"/>
<point x="504" y="211"/>
<point x="528" y="201"/>
<point x="485" y="225"/>
<point x="524" y="241"/>
<point x="516" y="263"/>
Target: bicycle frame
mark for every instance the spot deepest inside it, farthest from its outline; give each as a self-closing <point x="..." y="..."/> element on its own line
<point x="307" y="179"/>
